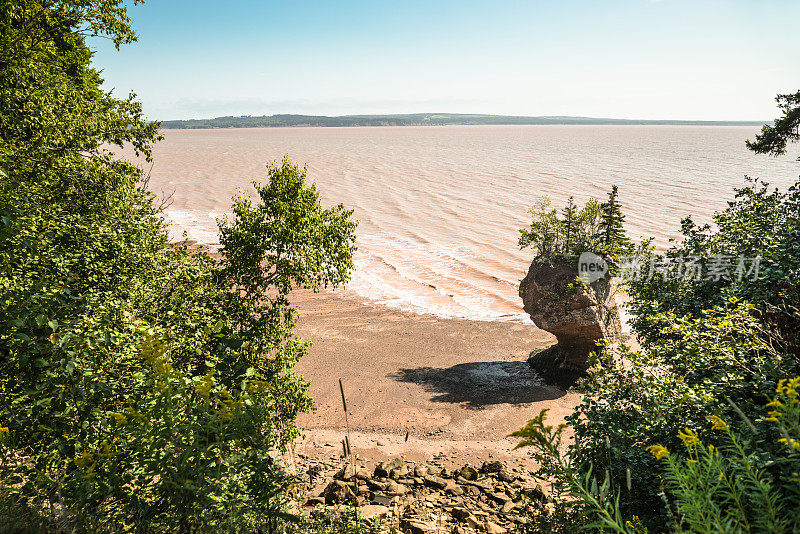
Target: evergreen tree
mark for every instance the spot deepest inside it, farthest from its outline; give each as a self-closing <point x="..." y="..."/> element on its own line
<point x="613" y="240"/>
<point x="569" y="213"/>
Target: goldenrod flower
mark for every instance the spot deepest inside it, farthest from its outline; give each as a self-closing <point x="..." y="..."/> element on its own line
<point x="203" y="387"/>
<point x="793" y="442"/>
<point x="4" y="433"/>
<point x="659" y="451"/>
<point x="689" y="437"/>
<point x="773" y="416"/>
<point x="84" y="459"/>
<point x="788" y="387"/>
<point x="718" y="423"/>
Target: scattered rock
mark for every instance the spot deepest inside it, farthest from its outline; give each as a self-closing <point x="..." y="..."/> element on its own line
<point x="427" y="498"/>
<point x="373" y="511"/>
<point x="338" y="492"/>
<point x="493" y="528"/>
<point x="395" y="488"/>
<point x="492" y="466"/>
<point x="435" y="482"/>
<point x="416" y="527"/>
<point x="382" y="499"/>
<point x="468" y="473"/>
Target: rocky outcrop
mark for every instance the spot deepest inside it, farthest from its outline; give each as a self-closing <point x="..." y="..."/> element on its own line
<point x="578" y="315"/>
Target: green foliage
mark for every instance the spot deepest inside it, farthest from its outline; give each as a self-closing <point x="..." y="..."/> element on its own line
<point x="744" y="484"/>
<point x="773" y="139"/>
<point x="143" y="387"/>
<point x="759" y="223"/>
<point x="611" y="239"/>
<point x="594" y="227"/>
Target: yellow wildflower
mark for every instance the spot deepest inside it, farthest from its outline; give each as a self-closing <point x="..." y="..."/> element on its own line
<point x="659" y="451"/>
<point x="689" y="437"/>
<point x="203" y="387"/>
<point x="84" y="459"/>
<point x="773" y="416"/>
<point x="793" y="442"/>
<point x="788" y="387"/>
<point x="106" y="451"/>
<point x="718" y="423"/>
<point x="4" y="433"/>
<point x="89" y="473"/>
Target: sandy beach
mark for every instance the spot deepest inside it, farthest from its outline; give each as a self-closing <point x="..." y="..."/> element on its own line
<point x="457" y="387"/>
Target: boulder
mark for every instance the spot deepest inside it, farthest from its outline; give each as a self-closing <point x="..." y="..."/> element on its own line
<point x="577" y="314"/>
<point x="415" y="526"/>
<point x="491" y="466"/>
<point x="338" y="492"/>
<point x="492" y="528"/>
<point x="468" y="473"/>
<point x="373" y="511"/>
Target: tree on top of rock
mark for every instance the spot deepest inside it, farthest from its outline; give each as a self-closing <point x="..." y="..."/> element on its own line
<point x="594" y="227"/>
<point x="612" y="238"/>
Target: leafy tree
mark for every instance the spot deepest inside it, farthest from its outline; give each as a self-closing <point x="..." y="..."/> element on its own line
<point x="143" y="387"/>
<point x="545" y="229"/>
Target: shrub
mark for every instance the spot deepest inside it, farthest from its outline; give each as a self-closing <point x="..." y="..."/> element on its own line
<point x="747" y="483"/>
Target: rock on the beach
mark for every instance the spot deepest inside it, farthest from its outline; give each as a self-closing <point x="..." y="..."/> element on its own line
<point x="416" y="527"/>
<point x="578" y="315"/>
<point x="492" y="528"/>
<point x="468" y="473"/>
<point x="338" y="492"/>
<point x="492" y="466"/>
<point x="373" y="511"/>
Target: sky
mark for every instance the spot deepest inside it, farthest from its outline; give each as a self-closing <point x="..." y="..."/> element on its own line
<point x="637" y="59"/>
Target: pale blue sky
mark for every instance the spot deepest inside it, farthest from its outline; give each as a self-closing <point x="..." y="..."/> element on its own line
<point x="665" y="59"/>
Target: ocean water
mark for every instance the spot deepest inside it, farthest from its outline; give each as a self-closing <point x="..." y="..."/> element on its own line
<point x="440" y="207"/>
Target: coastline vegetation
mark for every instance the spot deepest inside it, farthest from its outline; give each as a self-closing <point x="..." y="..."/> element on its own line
<point x="697" y="430"/>
<point x="147" y="388"/>
<point x="417" y="119"/>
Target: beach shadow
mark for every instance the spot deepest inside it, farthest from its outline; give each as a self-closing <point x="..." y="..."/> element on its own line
<point x="481" y="384"/>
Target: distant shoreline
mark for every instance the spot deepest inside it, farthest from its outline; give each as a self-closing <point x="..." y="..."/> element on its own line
<point x="423" y="119"/>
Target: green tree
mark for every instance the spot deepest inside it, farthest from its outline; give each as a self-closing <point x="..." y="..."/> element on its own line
<point x="612" y="238"/>
<point x="571" y="222"/>
<point x="594" y="227"/>
<point x="144" y="387"/>
<point x="786" y="129"/>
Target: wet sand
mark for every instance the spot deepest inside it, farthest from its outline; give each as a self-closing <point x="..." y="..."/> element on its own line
<point x="457" y="387"/>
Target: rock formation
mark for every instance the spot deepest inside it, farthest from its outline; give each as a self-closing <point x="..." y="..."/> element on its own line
<point x="578" y="315"/>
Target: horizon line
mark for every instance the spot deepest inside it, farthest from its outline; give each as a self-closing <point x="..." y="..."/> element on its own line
<point x="434" y="118"/>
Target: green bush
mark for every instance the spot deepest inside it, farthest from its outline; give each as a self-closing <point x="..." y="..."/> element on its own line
<point x="748" y="482"/>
